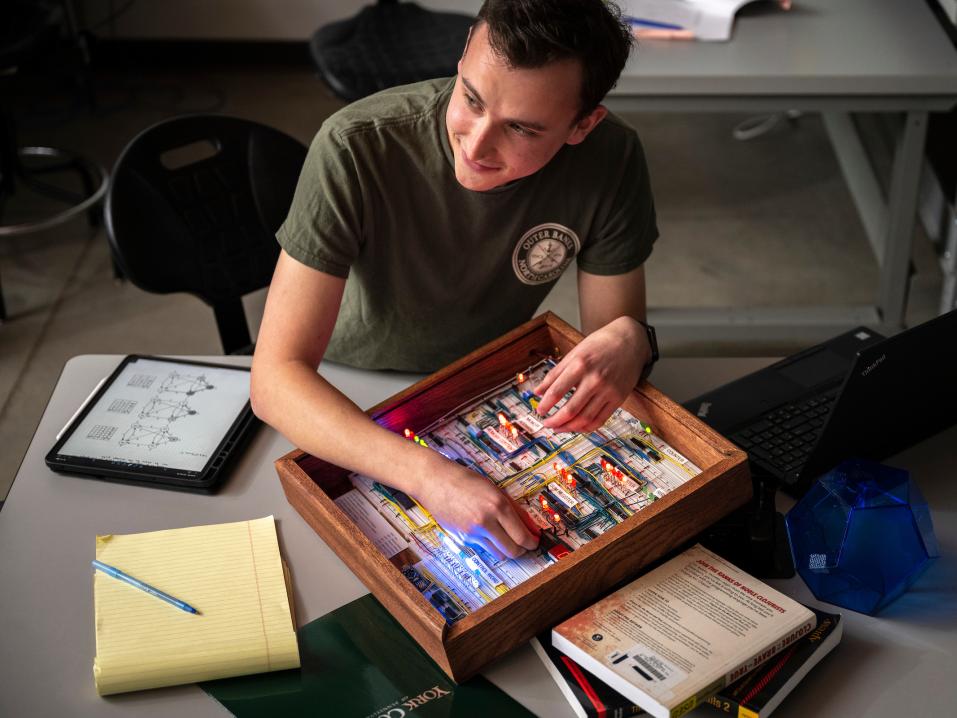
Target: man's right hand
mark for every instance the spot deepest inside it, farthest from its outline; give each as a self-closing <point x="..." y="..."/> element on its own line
<point x="474" y="510"/>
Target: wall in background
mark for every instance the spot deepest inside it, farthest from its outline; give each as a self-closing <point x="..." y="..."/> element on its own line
<point x="269" y="20"/>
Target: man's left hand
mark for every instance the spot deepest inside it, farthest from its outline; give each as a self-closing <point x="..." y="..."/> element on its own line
<point x="601" y="369"/>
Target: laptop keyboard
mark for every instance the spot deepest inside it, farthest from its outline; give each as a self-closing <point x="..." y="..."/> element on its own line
<point x="783" y="438"/>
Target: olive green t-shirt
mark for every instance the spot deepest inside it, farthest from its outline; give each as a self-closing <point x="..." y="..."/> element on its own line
<point x="436" y="270"/>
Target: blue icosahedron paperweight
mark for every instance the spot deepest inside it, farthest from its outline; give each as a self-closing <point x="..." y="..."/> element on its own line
<point x="862" y="535"/>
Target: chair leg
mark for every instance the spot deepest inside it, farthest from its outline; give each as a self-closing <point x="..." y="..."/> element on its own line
<point x="118" y="273"/>
<point x="3" y="306"/>
<point x="94" y="213"/>
<point x="8" y="155"/>
<point x="231" y="322"/>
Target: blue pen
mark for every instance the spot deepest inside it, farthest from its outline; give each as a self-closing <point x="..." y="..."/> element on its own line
<point x="652" y="23"/>
<point x="116" y="573"/>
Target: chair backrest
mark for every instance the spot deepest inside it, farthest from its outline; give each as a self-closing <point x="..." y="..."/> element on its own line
<point x="388" y="44"/>
<point x="193" y="206"/>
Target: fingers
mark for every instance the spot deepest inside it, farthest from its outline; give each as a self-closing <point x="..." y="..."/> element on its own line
<point x="516" y="529"/>
<point x="529" y="522"/>
<point x="506" y="533"/>
<point x="583" y="396"/>
<point x="550" y="377"/>
<point x="604" y="413"/>
<point x="496" y="525"/>
<point x="580" y="416"/>
<point x="563" y="377"/>
<point x="488" y="545"/>
<point x="502" y="543"/>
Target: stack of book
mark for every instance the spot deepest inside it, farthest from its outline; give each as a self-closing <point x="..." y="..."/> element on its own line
<point x="696" y="630"/>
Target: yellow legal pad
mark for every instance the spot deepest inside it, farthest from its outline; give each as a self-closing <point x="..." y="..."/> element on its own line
<point x="231" y="573"/>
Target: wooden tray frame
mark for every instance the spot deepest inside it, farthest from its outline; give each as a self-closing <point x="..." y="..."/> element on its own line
<point x="465" y="648"/>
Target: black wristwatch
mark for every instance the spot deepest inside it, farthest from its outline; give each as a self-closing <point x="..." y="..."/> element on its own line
<point x="653" y="343"/>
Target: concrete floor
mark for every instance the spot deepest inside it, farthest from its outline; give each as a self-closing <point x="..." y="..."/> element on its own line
<point x="759" y="223"/>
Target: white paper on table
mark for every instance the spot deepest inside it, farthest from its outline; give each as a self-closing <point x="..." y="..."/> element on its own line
<point x="706" y="19"/>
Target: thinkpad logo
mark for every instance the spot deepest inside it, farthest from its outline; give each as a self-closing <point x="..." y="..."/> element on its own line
<point x="543" y="252"/>
<point x="704" y="409"/>
<point x="872" y="367"/>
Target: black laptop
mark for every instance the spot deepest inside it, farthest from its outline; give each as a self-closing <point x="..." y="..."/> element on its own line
<point x="858" y="395"/>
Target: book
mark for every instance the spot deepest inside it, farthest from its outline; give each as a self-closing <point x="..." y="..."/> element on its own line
<point x="358" y="662"/>
<point x="757" y="694"/>
<point x="231" y="573"/>
<point x="685" y="19"/>
<point x="588" y="697"/>
<point x="682" y="632"/>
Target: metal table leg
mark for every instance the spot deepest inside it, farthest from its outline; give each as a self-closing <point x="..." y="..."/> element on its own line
<point x="901" y="215"/>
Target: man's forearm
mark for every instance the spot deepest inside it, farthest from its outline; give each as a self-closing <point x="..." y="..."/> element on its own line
<point x="321" y="420"/>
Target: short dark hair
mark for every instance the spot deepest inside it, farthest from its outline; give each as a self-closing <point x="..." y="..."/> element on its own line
<point x="533" y="33"/>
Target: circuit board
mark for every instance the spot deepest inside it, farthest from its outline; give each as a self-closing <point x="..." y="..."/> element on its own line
<point x="575" y="487"/>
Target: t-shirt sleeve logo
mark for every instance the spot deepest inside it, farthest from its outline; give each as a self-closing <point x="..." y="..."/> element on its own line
<point x="543" y="252"/>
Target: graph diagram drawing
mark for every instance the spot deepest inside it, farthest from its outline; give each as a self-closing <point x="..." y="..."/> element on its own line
<point x="147" y="436"/>
<point x="161" y="409"/>
<point x="187" y="384"/>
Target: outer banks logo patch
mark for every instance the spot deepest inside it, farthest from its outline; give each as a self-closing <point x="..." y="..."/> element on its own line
<point x="543" y="252"/>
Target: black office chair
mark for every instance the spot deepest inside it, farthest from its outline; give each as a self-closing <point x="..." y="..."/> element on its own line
<point x="194" y="205"/>
<point x="387" y="44"/>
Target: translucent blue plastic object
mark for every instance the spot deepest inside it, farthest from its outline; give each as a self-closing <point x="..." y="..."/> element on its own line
<point x="862" y="535"/>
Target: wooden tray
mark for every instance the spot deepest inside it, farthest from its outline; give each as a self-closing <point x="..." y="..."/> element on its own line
<point x="466" y="647"/>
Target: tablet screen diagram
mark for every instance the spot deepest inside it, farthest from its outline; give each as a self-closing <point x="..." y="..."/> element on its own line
<point x="161" y="413"/>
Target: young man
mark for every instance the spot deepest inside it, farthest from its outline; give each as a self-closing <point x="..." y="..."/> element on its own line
<point x="431" y="218"/>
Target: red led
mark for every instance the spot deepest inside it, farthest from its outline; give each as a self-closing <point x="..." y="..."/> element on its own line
<point x="408" y="433"/>
<point x="501" y="419"/>
<point x="556" y="518"/>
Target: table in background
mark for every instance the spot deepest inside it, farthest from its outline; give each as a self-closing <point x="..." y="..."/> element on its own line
<point x="835" y="57"/>
<point x="885" y="667"/>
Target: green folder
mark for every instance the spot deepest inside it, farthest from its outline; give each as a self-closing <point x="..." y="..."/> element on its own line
<point x="358" y="661"/>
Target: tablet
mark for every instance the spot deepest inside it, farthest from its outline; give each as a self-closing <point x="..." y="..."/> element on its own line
<point x="164" y="422"/>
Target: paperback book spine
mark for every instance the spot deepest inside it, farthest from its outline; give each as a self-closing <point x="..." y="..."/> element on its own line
<point x="744" y="668"/>
<point x="757" y="694"/>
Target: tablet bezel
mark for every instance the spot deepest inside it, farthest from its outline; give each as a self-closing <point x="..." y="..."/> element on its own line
<point x="206" y="480"/>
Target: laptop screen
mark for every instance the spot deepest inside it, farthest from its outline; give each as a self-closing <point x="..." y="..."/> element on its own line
<point x="899" y="391"/>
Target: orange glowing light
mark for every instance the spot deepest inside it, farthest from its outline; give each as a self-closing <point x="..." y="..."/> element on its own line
<point x="521" y="378"/>
<point x="408" y="433"/>
<point x="501" y="419"/>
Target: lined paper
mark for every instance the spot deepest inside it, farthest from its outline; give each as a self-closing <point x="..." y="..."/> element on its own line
<point x="231" y="573"/>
